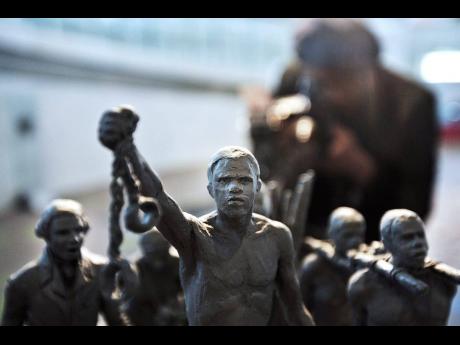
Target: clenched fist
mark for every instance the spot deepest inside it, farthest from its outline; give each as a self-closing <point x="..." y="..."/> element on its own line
<point x="116" y="125"/>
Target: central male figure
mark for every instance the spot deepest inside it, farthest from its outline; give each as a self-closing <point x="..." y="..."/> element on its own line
<point x="232" y="260"/>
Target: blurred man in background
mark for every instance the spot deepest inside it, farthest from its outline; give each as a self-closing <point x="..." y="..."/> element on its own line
<point x="377" y="131"/>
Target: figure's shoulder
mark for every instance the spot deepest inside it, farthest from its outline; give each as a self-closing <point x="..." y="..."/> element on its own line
<point x="312" y="263"/>
<point x="93" y="258"/>
<point x="449" y="286"/>
<point x="411" y="87"/>
<point x="278" y="231"/>
<point x="312" y="259"/>
<point x="266" y="224"/>
<point x="26" y="275"/>
<point x="363" y="276"/>
<point x="361" y="283"/>
<point x="92" y="263"/>
<point x="207" y="218"/>
<point x="203" y="225"/>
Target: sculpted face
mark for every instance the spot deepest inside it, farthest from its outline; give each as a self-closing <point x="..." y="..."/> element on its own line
<point x="349" y="236"/>
<point x="66" y="237"/>
<point x="409" y="246"/>
<point x="234" y="186"/>
<point x="342" y="89"/>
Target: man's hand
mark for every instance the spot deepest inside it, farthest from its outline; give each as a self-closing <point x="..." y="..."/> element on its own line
<point x="346" y="156"/>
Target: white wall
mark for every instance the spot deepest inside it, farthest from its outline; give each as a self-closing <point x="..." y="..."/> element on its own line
<point x="178" y="131"/>
<point x="8" y="183"/>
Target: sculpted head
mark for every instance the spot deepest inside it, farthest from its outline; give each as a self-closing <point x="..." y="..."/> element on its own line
<point x="336" y="43"/>
<point x="152" y="243"/>
<point x="63" y="226"/>
<point x="346" y="228"/>
<point x="339" y="56"/>
<point x="403" y="235"/>
<point x="234" y="180"/>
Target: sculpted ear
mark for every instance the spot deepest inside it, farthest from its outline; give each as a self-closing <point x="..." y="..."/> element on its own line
<point x="387" y="243"/>
<point x="210" y="190"/>
<point x="259" y="184"/>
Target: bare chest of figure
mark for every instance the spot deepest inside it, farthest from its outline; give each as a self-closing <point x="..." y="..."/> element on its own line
<point x="251" y="262"/>
<point x="330" y="287"/>
<point x="392" y="306"/>
<point x="236" y="280"/>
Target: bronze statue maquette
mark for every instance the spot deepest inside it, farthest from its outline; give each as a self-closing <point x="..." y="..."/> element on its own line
<point x="378" y="300"/>
<point x="157" y="299"/>
<point x="142" y="213"/>
<point x="67" y="285"/>
<point x="232" y="259"/>
<point x="324" y="278"/>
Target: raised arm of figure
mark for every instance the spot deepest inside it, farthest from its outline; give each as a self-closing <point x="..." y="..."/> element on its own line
<point x="116" y="130"/>
<point x="173" y="224"/>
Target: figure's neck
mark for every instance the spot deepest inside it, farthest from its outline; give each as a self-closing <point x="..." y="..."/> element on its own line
<point x="408" y="268"/>
<point x="238" y="224"/>
<point x="66" y="268"/>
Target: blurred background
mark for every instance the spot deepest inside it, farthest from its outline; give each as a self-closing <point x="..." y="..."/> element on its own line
<point x="184" y="77"/>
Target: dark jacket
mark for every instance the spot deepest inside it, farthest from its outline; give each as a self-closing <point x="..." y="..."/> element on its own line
<point x="36" y="296"/>
<point x="400" y="134"/>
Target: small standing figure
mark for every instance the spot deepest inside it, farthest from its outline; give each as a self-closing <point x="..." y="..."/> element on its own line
<point x="158" y="298"/>
<point x="67" y="285"/>
<point x="323" y="281"/>
<point x="378" y="301"/>
<point x="232" y="260"/>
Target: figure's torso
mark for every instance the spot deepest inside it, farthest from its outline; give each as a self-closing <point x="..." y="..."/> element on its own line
<point x="159" y="283"/>
<point x="49" y="302"/>
<point x="232" y="288"/>
<point x="388" y="304"/>
<point x="327" y="293"/>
